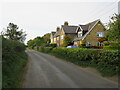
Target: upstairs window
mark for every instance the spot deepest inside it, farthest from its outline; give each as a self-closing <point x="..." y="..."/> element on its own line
<point x="54" y="39"/>
<point x="100" y="34"/>
<point x="80" y="34"/>
<point x="62" y="36"/>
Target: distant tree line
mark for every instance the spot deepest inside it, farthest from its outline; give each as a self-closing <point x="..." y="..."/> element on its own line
<point x="39" y="41"/>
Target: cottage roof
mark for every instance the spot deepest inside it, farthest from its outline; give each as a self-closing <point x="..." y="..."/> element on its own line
<point x="69" y="29"/>
<point x="88" y="27"/>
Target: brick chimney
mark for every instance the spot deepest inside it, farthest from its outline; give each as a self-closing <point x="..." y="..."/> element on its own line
<point x="66" y="23"/>
<point x="58" y="28"/>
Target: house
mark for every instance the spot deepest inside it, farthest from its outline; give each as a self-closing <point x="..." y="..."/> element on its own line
<point x="52" y="37"/>
<point x="89" y="34"/>
<point x="61" y="32"/>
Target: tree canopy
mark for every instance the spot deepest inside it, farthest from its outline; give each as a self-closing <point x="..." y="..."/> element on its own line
<point x="66" y="40"/>
<point x="39" y="41"/>
<point x="113" y="33"/>
<point x="13" y="33"/>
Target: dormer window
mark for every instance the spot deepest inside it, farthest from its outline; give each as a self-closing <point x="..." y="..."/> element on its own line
<point x="80" y="34"/>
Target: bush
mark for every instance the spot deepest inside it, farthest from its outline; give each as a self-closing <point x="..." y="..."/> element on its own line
<point x="45" y="49"/>
<point x="52" y="45"/>
<point x="105" y="61"/>
<point x="105" y="43"/>
<point x="13" y="60"/>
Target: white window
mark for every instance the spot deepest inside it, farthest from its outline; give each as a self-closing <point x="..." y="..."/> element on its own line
<point x="62" y="36"/>
<point x="51" y="40"/>
<point x="100" y="34"/>
<point x="88" y="44"/>
<point x="80" y="34"/>
<point x="54" y="39"/>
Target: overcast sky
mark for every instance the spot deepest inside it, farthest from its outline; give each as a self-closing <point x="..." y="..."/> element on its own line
<point x="40" y="17"/>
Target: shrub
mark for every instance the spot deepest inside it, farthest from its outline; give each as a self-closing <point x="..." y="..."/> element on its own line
<point x="13" y="60"/>
<point x="52" y="45"/>
<point x="105" y="61"/>
<point x="45" y="49"/>
<point x="105" y="43"/>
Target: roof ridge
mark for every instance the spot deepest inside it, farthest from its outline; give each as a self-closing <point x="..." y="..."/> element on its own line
<point x="70" y="25"/>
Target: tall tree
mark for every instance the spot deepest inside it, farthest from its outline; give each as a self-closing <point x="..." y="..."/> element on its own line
<point x="46" y="38"/>
<point x="13" y="33"/>
<point x="113" y="33"/>
<point x="66" y="41"/>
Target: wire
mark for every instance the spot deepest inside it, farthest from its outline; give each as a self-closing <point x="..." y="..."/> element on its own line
<point x="102" y="10"/>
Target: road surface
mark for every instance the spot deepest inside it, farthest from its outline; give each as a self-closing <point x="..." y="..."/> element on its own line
<point x="45" y="71"/>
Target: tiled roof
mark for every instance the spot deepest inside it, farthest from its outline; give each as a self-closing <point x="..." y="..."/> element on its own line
<point x="91" y="24"/>
<point x="69" y="29"/>
<point x="85" y="27"/>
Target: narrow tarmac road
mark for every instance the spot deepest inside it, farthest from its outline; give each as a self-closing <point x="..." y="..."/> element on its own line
<point x="45" y="71"/>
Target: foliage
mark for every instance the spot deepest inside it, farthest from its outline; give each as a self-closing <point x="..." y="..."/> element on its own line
<point x="113" y="34"/>
<point x="106" y="61"/>
<point x="46" y="38"/>
<point x="66" y="40"/>
<point x="43" y="49"/>
<point x="52" y="45"/>
<point x="30" y="44"/>
<point x="13" y="60"/>
<point x="39" y="41"/>
<point x="83" y="44"/>
<point x="106" y="43"/>
<point x="13" y="33"/>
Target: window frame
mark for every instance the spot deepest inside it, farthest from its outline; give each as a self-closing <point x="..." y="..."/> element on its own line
<point x="100" y="34"/>
<point x="80" y="34"/>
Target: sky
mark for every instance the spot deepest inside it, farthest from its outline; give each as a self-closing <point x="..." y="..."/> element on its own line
<point x="37" y="18"/>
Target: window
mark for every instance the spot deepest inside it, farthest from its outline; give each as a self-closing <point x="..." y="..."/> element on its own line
<point x="54" y="39"/>
<point x="51" y="40"/>
<point x="100" y="34"/>
<point x="57" y="38"/>
<point x="75" y="43"/>
<point x="88" y="44"/>
<point x="80" y="34"/>
<point x="62" y="36"/>
<point x="99" y="44"/>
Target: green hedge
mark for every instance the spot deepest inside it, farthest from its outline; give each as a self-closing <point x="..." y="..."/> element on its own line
<point x="106" y="61"/>
<point x="44" y="49"/>
<point x="13" y="60"/>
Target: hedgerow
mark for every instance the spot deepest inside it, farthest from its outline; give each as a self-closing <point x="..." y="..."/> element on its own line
<point x="13" y="60"/>
<point x="106" y="61"/>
